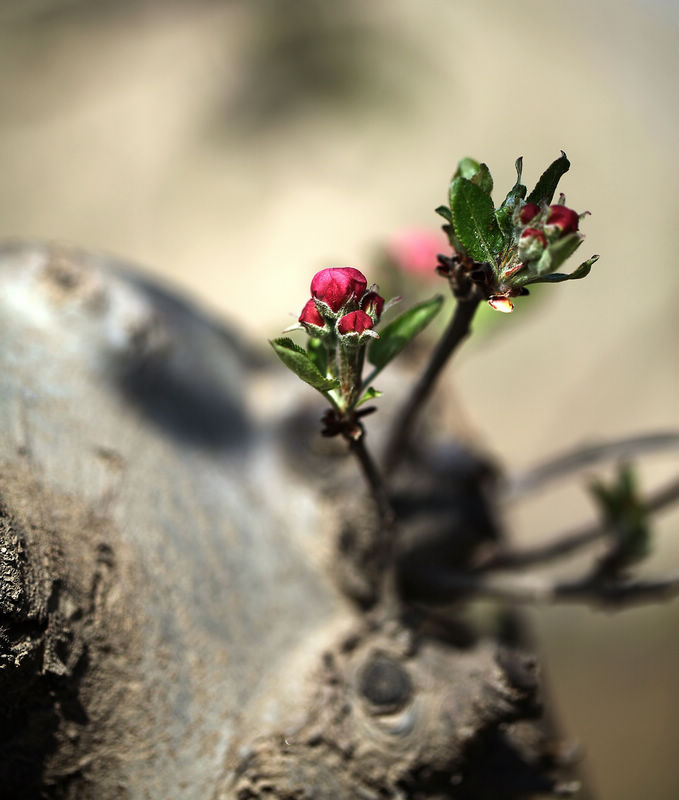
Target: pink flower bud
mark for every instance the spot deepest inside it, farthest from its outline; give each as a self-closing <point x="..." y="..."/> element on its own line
<point x="354" y="322"/>
<point x="528" y="212"/>
<point x="373" y="304"/>
<point x="530" y="235"/>
<point x="310" y="315"/>
<point x="337" y="286"/>
<point x="562" y="219"/>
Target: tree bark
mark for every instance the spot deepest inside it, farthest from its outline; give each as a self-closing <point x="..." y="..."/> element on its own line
<point x="181" y="602"/>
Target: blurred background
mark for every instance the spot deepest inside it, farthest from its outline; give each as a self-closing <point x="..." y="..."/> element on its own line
<point x="234" y="148"/>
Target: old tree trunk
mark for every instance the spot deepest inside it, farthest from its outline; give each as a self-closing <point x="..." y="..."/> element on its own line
<point x="183" y="613"/>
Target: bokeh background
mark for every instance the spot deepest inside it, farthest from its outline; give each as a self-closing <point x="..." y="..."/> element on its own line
<point x="234" y="148"/>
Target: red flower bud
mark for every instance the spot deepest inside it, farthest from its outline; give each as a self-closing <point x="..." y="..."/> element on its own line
<point x="310" y="315"/>
<point x="531" y="234"/>
<point x="528" y="212"/>
<point x="354" y="322"/>
<point x="373" y="304"/>
<point x="564" y="219"/>
<point x="337" y="286"/>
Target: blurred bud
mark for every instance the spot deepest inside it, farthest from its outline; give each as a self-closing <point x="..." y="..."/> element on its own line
<point x="416" y="251"/>
<point x="562" y="220"/>
<point x="531" y="244"/>
<point x="528" y="212"/>
<point x="337" y="286"/>
<point x="354" y="322"/>
<point x="373" y="304"/>
<point x="311" y="317"/>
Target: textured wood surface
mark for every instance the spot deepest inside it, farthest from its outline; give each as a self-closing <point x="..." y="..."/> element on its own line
<point x="173" y="620"/>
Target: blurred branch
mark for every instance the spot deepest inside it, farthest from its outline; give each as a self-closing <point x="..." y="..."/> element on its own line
<point x="451" y="586"/>
<point x="581" y="457"/>
<point x="403" y="428"/>
<point x="573" y="539"/>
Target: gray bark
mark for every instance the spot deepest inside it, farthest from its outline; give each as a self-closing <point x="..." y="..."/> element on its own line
<point x="182" y="606"/>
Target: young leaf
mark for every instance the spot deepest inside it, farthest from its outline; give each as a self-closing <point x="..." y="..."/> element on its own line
<point x="466" y="168"/>
<point x="444" y="211"/>
<point x="370" y="394"/>
<point x="557" y="277"/>
<point x="505" y="213"/>
<point x="477" y="173"/>
<point x="546" y="186"/>
<point x="318" y="354"/>
<point x="474" y="218"/>
<point x="402" y="330"/>
<point x="483" y="179"/>
<point x="297" y="359"/>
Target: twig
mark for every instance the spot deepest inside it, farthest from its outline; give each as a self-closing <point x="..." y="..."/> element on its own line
<point x="384" y="566"/>
<point x="447" y="587"/>
<point x="404" y="422"/>
<point x="572" y="540"/>
<point x="374" y="480"/>
<point x="585" y="456"/>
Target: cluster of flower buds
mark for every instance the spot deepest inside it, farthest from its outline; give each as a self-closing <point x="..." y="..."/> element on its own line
<point x="342" y="307"/>
<point x="523" y="241"/>
<point x="341" y="315"/>
<point x="546" y="237"/>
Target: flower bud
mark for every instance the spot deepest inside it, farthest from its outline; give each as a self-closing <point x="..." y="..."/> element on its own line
<point x="354" y="322"/>
<point x="337" y="286"/>
<point x="561" y="219"/>
<point x="373" y="304"/>
<point x="311" y="317"/>
<point x="531" y="244"/>
<point x="528" y="212"/>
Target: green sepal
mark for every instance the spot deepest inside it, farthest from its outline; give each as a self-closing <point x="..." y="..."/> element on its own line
<point x="558" y="252"/>
<point x="402" y="330"/>
<point x="298" y="361"/>
<point x="474" y="218"/>
<point x="370" y="394"/>
<point x="318" y="354"/>
<point x="557" y="277"/>
<point x="505" y="212"/>
<point x="549" y="180"/>
<point x="444" y="211"/>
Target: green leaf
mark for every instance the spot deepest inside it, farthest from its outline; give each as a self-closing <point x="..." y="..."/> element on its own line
<point x="444" y="211"/>
<point x="475" y="172"/>
<point x="474" y="218"/>
<point x="557" y="277"/>
<point x="466" y="168"/>
<point x="505" y="213"/>
<point x="297" y="359"/>
<point x="370" y="394"/>
<point x="626" y="518"/>
<point x="546" y="186"/>
<point x="318" y="354"/>
<point x="483" y="179"/>
<point x="402" y="330"/>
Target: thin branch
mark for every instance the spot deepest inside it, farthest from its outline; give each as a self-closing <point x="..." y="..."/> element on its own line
<point x="572" y="540"/>
<point x="374" y="480"/>
<point x="451" y="586"/>
<point x="383" y="572"/>
<point x="585" y="456"/>
<point x="405" y="421"/>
